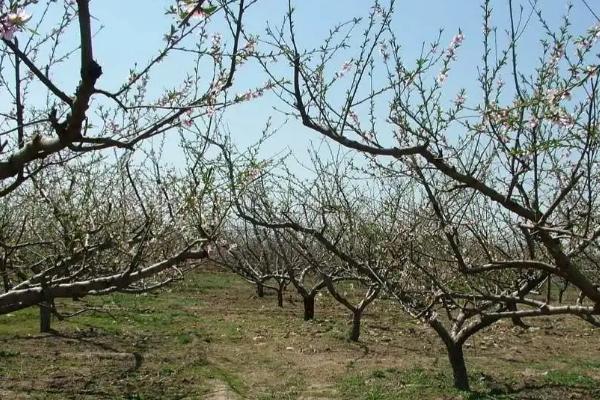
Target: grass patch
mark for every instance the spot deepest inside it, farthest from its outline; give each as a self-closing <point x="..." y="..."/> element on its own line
<point x="570" y="379"/>
<point x="392" y="383"/>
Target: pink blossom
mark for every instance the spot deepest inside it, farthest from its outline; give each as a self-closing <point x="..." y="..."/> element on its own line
<point x="216" y="39"/>
<point x="346" y="67"/>
<point x="18" y="18"/>
<point x="250" y="47"/>
<point x="454" y="45"/>
<point x="584" y="44"/>
<point x="269" y="85"/>
<point x="188" y="121"/>
<point x="249" y="95"/>
<point x="457" y="40"/>
<point x="13" y="22"/>
<point x="197" y="14"/>
<point x="533" y="123"/>
<point x="563" y="119"/>
<point x="441" y="78"/>
<point x="552" y="96"/>
<point x="7" y="31"/>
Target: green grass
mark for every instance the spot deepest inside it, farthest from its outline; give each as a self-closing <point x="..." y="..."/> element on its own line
<point x="392" y="383"/>
<point x="570" y="379"/>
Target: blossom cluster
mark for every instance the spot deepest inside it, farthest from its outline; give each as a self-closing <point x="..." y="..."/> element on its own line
<point x="450" y="55"/>
<point x="11" y="22"/>
<point x="585" y="43"/>
<point x="256" y="93"/>
<point x="346" y="67"/>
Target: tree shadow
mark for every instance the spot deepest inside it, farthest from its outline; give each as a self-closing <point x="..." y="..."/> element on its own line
<point x="498" y="389"/>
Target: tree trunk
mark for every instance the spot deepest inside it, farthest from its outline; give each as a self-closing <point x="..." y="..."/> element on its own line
<point x="309" y="307"/>
<point x="355" y="330"/>
<point x="517" y="321"/>
<point x="280" y="297"/>
<point x="459" y="368"/>
<point x="5" y="280"/>
<point x="45" y="317"/>
<point x="561" y="292"/>
<point x="4" y="273"/>
<point x="260" y="289"/>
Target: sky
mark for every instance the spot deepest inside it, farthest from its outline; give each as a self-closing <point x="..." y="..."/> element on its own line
<point x="130" y="31"/>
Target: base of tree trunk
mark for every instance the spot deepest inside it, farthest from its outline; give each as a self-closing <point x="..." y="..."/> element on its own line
<point x="280" y="298"/>
<point x="459" y="368"/>
<point x="45" y="317"/>
<point x="309" y="308"/>
<point x="260" y="290"/>
<point x="355" y="330"/>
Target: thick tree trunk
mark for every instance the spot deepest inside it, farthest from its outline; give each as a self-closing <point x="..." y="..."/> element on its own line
<point x="280" y="297"/>
<point x="309" y="307"/>
<point x="459" y="368"/>
<point x="45" y="317"/>
<point x="260" y="289"/>
<point x="355" y="330"/>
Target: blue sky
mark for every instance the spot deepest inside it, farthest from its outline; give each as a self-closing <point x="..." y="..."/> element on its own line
<point x="132" y="30"/>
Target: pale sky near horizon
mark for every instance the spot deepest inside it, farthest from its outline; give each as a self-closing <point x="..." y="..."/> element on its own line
<point x="133" y="30"/>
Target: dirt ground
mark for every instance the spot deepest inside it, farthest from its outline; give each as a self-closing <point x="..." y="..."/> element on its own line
<point x="210" y="337"/>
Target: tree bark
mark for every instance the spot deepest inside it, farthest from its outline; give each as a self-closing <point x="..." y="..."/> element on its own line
<point x="260" y="289"/>
<point x="5" y="279"/>
<point x="309" y="307"/>
<point x="459" y="368"/>
<point x="280" y="296"/>
<point x="517" y="321"/>
<point x="45" y="317"/>
<point x="355" y="330"/>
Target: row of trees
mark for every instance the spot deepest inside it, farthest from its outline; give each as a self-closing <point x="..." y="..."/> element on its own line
<point x="275" y="259"/>
<point x="464" y="211"/>
<point x="387" y="237"/>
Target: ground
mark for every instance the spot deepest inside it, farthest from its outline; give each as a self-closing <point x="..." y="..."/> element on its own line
<point x="210" y="337"/>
